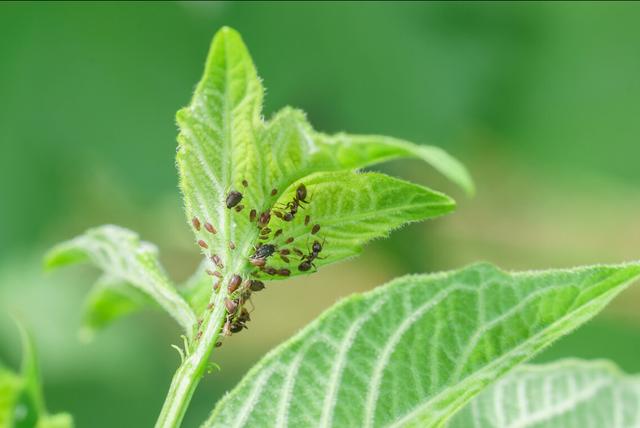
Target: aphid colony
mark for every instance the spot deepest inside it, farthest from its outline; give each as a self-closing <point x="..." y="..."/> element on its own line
<point x="239" y="290"/>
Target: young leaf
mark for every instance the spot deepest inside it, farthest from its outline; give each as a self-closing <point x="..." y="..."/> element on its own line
<point x="109" y="299"/>
<point x="226" y="150"/>
<point x="21" y="400"/>
<point x="121" y="255"/>
<point x="566" y="394"/>
<point x="415" y="351"/>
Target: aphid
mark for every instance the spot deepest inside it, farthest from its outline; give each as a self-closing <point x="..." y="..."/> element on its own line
<point x="210" y="306"/>
<point x="245" y="183"/>
<point x="284" y="258"/>
<point x="210" y="228"/>
<point x="264" y="251"/>
<point x="278" y="214"/>
<point x="278" y="233"/>
<point x="252" y="215"/>
<point x="315" y="229"/>
<point x="265" y="231"/>
<point x="199" y="335"/>
<point x="306" y="219"/>
<point x="203" y="244"/>
<point x="264" y="219"/>
<point x="284" y="252"/>
<point x="244" y="316"/>
<point x="233" y="198"/>
<point x="196" y="223"/>
<point x="226" y="329"/>
<point x="239" y="208"/>
<point x="231" y="306"/>
<point x="257" y="262"/>
<point x="274" y="192"/>
<point x="218" y="344"/>
<point x="298" y="252"/>
<point x="232" y="246"/>
<point x="210" y="272"/>
<point x="256" y="285"/>
<point x="283" y="272"/>
<point x="199" y="322"/>
<point x="216" y="259"/>
<point x="216" y="286"/>
<point x="270" y="270"/>
<point x="289" y="240"/>
<point x="234" y="283"/>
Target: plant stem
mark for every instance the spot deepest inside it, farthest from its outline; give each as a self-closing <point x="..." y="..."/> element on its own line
<point x="188" y="375"/>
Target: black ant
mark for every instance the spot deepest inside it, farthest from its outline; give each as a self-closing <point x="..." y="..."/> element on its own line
<point x="291" y="208"/>
<point x="314" y="254"/>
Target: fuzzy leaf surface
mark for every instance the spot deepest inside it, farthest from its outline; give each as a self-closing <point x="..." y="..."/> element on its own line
<point x="121" y="255"/>
<point x="413" y="352"/>
<point x="565" y="394"/>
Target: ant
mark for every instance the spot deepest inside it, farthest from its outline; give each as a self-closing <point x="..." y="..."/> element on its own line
<point x="307" y="261"/>
<point x="291" y="208"/>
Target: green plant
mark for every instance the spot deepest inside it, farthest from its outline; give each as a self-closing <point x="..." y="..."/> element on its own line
<point x="411" y="353"/>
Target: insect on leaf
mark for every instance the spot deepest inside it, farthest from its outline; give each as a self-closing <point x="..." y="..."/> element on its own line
<point x="565" y="394"/>
<point x="413" y="352"/>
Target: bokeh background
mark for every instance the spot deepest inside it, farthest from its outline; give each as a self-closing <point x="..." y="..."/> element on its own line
<point x="540" y="100"/>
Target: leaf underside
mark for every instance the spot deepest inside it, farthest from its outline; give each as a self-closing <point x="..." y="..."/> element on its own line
<point x="566" y="394"/>
<point x="413" y="352"/>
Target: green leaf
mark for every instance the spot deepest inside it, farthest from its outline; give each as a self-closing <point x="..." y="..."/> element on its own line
<point x="415" y="351"/>
<point x="109" y="299"/>
<point x="566" y="394"/>
<point x="121" y="255"/>
<point x="225" y="145"/>
<point x="10" y="387"/>
<point x="21" y="400"/>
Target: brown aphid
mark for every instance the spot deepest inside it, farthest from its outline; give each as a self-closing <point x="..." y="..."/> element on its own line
<point x="265" y="231"/>
<point x="284" y="272"/>
<point x="216" y="286"/>
<point x="226" y="329"/>
<point x="252" y="215"/>
<point x="284" y="252"/>
<point x="199" y="335"/>
<point x="196" y="223"/>
<point x="298" y="252"/>
<point x="210" y="272"/>
<point x="278" y="214"/>
<point x="278" y="233"/>
<point x="256" y="285"/>
<point x="306" y="219"/>
<point x="199" y="322"/>
<point x="257" y="262"/>
<point x="210" y="228"/>
<point x="218" y="274"/>
<point x="315" y="229"/>
<point x="210" y="306"/>
<point x="263" y="237"/>
<point x="231" y="306"/>
<point x="233" y="198"/>
<point x="289" y="240"/>
<point x="245" y="183"/>
<point x="270" y="270"/>
<point x="232" y="245"/>
<point x="216" y="259"/>
<point x="239" y="208"/>
<point x="234" y="283"/>
<point x="264" y="219"/>
<point x="203" y="244"/>
<point x="218" y="344"/>
<point x="274" y="192"/>
<point x="284" y="258"/>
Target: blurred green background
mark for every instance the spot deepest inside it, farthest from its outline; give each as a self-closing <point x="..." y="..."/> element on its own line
<point x="540" y="100"/>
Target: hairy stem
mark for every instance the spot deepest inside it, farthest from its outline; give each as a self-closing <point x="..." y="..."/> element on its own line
<point x="188" y="375"/>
